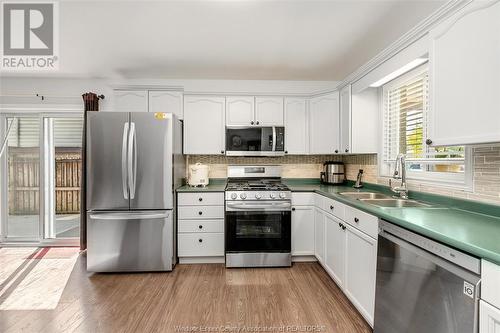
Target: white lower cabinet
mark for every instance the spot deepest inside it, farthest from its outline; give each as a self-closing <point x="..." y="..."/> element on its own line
<point x="201" y="244"/>
<point x="489" y="318"/>
<point x="489" y="306"/>
<point x="200" y="227"/>
<point x="345" y="244"/>
<point x="319" y="234"/>
<point x="335" y="248"/>
<point x="360" y="271"/>
<point x="302" y="230"/>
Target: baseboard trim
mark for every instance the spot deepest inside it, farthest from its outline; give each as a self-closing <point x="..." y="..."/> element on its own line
<point x="201" y="260"/>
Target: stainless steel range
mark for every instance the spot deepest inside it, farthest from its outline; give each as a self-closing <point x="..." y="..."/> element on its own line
<point x="257" y="217"/>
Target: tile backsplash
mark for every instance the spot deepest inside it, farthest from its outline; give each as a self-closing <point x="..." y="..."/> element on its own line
<point x="486" y="175"/>
<point x="294" y="166"/>
<point x="486" y="165"/>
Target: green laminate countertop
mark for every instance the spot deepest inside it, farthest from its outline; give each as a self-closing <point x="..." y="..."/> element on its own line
<point x="214" y="185"/>
<point x="463" y="224"/>
<point x="475" y="231"/>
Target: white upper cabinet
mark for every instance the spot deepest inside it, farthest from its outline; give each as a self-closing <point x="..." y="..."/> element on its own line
<point x="254" y="111"/>
<point x="296" y="126"/>
<point x="345" y="119"/>
<point x="269" y="111"/>
<point x="204" y="119"/>
<point x="324" y="124"/>
<point x="365" y="122"/>
<point x="166" y="101"/>
<point x="240" y="111"/>
<point x="131" y="100"/>
<point x="464" y="76"/>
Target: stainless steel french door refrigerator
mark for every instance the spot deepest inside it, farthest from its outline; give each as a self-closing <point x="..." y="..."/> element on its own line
<point x="134" y="162"/>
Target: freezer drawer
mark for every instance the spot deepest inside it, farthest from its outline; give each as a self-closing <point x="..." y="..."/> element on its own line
<point x="129" y="241"/>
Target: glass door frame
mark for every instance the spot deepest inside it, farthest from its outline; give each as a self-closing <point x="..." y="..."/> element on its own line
<point x="46" y="182"/>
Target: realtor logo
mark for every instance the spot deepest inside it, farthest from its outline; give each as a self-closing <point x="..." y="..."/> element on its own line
<point x="30" y="38"/>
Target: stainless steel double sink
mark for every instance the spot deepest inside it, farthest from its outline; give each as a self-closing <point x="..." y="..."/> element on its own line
<point x="383" y="200"/>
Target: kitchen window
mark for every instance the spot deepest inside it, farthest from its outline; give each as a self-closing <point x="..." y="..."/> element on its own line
<point x="405" y="126"/>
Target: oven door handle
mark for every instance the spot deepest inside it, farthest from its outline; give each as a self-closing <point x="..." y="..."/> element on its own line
<point x="274" y="206"/>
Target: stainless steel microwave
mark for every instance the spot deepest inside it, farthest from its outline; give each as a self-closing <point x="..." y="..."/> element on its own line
<point x="255" y="141"/>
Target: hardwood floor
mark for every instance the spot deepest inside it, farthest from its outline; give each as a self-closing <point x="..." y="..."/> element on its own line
<point x="193" y="296"/>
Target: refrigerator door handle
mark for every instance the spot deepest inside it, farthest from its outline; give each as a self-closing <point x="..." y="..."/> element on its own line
<point x="132" y="160"/>
<point x="128" y="216"/>
<point x="124" y="161"/>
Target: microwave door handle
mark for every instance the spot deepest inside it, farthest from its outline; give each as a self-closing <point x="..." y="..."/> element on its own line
<point x="124" y="161"/>
<point x="274" y="138"/>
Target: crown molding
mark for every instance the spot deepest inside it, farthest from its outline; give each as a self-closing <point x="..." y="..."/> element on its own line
<point x="407" y="39"/>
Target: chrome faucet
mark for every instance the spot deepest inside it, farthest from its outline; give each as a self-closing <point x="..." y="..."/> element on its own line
<point x="400" y="173"/>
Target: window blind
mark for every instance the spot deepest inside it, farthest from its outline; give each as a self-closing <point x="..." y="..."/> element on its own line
<point x="405" y="124"/>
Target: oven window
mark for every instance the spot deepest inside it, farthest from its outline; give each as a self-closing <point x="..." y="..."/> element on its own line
<point x="258" y="231"/>
<point x="255" y="227"/>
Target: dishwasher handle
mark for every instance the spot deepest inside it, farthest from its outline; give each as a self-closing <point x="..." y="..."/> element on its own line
<point x="445" y="264"/>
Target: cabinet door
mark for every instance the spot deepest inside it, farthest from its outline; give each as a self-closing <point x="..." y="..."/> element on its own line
<point x="365" y="122"/>
<point x="204" y="119"/>
<point x="360" y="271"/>
<point x="302" y="230"/>
<point x="464" y="76"/>
<point x="319" y="235"/>
<point x="131" y="100"/>
<point x="240" y="111"/>
<point x="296" y="126"/>
<point x="324" y="124"/>
<point x="335" y="248"/>
<point x="166" y="101"/>
<point x="345" y="119"/>
<point x="489" y="318"/>
<point x="269" y="111"/>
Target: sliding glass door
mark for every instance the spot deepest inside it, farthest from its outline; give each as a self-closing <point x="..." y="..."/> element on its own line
<point x="43" y="165"/>
<point x="22" y="175"/>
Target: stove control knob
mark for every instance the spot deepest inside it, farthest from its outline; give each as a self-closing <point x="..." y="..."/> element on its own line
<point x="234" y="196"/>
<point x="272" y="195"/>
<point x="258" y="196"/>
<point x="282" y="195"/>
<point x="243" y="196"/>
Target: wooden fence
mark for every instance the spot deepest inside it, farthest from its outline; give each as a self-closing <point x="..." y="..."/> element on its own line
<point x="24" y="181"/>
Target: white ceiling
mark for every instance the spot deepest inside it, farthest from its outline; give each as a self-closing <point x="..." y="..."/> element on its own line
<point x="265" y="40"/>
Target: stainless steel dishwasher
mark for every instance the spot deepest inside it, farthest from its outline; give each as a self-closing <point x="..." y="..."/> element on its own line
<point x="423" y="285"/>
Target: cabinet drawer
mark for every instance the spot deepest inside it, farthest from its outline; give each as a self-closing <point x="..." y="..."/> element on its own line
<point x="490" y="283"/>
<point x="201" y="226"/>
<point x="200" y="212"/>
<point x="201" y="244"/>
<point x="333" y="207"/>
<point x="362" y="221"/>
<point x="303" y="199"/>
<point x="201" y="198"/>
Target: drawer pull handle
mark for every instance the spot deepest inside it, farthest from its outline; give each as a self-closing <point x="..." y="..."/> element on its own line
<point x="331" y="207"/>
<point x="200" y="226"/>
<point x="343" y="227"/>
<point x="340" y="225"/>
<point x="199" y="213"/>
<point x="200" y="199"/>
<point x="200" y="240"/>
<point x="293" y="209"/>
<point x="356" y="220"/>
